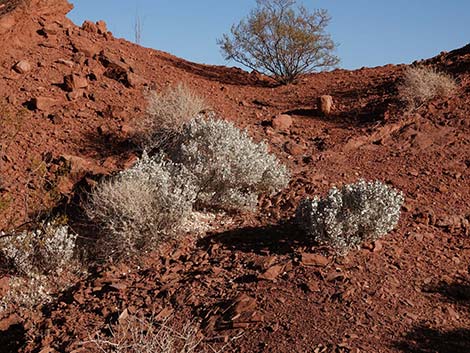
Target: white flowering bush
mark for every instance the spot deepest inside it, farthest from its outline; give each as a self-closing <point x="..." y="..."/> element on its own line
<point x="142" y="206"/>
<point x="230" y="170"/>
<point x="48" y="249"/>
<point x="348" y="216"/>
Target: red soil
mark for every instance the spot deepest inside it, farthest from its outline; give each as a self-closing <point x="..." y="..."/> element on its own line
<point x="406" y="293"/>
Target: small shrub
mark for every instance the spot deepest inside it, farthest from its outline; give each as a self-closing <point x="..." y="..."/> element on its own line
<point x="26" y="293"/>
<point x="141" y="206"/>
<point x="355" y="213"/>
<point x="46" y="250"/>
<point x="230" y="170"/>
<point x="280" y="39"/>
<point x="421" y="84"/>
<point x="40" y="262"/>
<point x="167" y="112"/>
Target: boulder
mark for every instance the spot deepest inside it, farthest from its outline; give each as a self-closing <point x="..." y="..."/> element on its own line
<point x="314" y="260"/>
<point x="89" y="26"/>
<point x="85" y="46"/>
<point x="22" y="67"/>
<point x="134" y="80"/>
<point x="101" y="27"/>
<point x="325" y="103"/>
<point x="282" y="122"/>
<point x="74" y="82"/>
<point x="43" y="103"/>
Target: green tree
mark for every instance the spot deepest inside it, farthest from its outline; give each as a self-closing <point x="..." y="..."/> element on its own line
<point x="281" y="39"/>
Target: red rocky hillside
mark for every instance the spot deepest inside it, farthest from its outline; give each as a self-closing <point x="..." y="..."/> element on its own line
<point x="69" y="97"/>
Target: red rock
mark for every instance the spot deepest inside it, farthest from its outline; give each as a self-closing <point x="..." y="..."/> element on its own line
<point x="164" y="314"/>
<point x="282" y="122"/>
<point x="6" y="23"/>
<point x="85" y="46"/>
<point x="243" y="303"/>
<point x="73" y="82"/>
<point x="294" y="149"/>
<point x="123" y="316"/>
<point x="101" y="27"/>
<point x="325" y="103"/>
<point x="272" y="272"/>
<point x="134" y="80"/>
<point x="378" y="245"/>
<point x="22" y="67"/>
<point x="80" y="166"/>
<point x="50" y="30"/>
<point x="89" y="26"/>
<point x="313" y="286"/>
<point x="9" y="321"/>
<point x="71" y="96"/>
<point x="314" y="260"/>
<point x="43" y="103"/>
<point x="65" y="62"/>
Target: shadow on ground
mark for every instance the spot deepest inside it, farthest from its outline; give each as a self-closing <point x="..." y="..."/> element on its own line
<point x="428" y="340"/>
<point x="278" y="239"/>
<point x="231" y="76"/>
<point x="434" y="340"/>
<point x="12" y="339"/>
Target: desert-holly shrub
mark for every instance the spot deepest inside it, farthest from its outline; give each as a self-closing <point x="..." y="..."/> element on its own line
<point x="230" y="170"/>
<point x="40" y="262"/>
<point x="48" y="249"/>
<point x="348" y="216"/>
<point x="421" y="84"/>
<point x="141" y="206"/>
<point x="167" y="111"/>
<point x="280" y="39"/>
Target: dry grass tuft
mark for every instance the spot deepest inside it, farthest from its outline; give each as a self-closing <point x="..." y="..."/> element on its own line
<point x="167" y="112"/>
<point x="135" y="335"/>
<point x="421" y="84"/>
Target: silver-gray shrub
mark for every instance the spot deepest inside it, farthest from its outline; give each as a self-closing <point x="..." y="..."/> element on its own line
<point x="348" y="216"/>
<point x="141" y="206"/>
<point x="48" y="249"/>
<point x="230" y="169"/>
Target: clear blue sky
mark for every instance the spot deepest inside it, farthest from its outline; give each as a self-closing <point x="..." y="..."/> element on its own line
<point x="369" y="32"/>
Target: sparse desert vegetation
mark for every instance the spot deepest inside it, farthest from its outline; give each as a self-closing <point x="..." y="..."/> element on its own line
<point x="230" y="170"/>
<point x="167" y="112"/>
<point x="282" y="40"/>
<point x="421" y="84"/>
<point x="202" y="208"/>
<point x="351" y="215"/>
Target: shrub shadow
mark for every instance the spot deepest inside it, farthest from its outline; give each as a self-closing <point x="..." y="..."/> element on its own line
<point x="278" y="239"/>
<point x="222" y="74"/>
<point x="379" y="100"/>
<point x="12" y="339"/>
<point x="108" y="145"/>
<point x="434" y="340"/>
<point x="457" y="292"/>
<point x="428" y="340"/>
